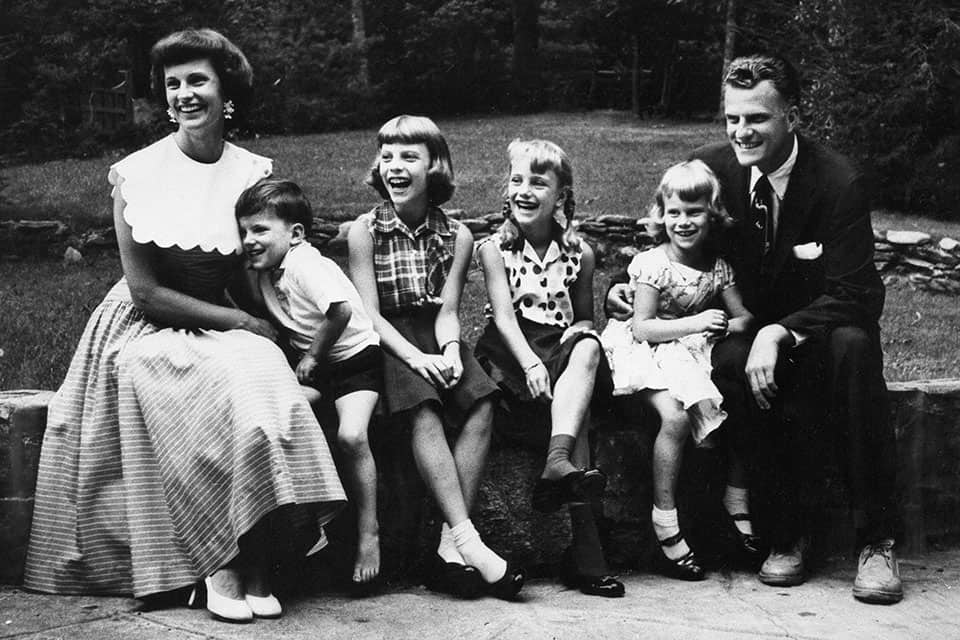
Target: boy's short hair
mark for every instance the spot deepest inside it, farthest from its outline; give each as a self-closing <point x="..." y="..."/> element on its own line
<point x="405" y="129"/>
<point x="284" y="198"/>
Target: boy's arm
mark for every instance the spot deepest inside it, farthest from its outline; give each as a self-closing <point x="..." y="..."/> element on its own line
<point x="337" y="316"/>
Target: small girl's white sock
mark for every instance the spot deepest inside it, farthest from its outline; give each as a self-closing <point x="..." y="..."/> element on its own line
<point x="737" y="500"/>
<point x="667" y="524"/>
<point x="491" y="566"/>
<point x="448" y="548"/>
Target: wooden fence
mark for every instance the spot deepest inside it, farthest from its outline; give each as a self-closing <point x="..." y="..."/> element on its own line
<point x="113" y="107"/>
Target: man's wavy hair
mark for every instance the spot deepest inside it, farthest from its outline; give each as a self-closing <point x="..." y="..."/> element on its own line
<point x="746" y="72"/>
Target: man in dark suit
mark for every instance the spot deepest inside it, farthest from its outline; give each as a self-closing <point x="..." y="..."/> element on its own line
<point x="810" y="382"/>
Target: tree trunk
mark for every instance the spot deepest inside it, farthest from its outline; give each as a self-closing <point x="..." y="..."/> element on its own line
<point x="635" y="75"/>
<point x="525" y="43"/>
<point x="360" y="42"/>
<point x="729" y="48"/>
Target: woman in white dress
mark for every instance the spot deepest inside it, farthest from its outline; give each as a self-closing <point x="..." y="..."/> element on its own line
<point x="179" y="427"/>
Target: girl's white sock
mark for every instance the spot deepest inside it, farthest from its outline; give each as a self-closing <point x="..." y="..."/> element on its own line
<point x="667" y="524"/>
<point x="448" y="548"/>
<point x="491" y="566"/>
<point x="737" y="500"/>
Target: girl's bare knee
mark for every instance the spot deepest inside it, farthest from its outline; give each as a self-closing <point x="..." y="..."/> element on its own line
<point x="675" y="425"/>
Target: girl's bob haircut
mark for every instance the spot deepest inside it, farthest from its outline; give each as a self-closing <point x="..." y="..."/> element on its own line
<point x="232" y="67"/>
<point x="543" y="156"/>
<point x="691" y="181"/>
<point x="406" y="129"/>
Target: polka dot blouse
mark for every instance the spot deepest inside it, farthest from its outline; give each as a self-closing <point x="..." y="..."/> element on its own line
<point x="540" y="288"/>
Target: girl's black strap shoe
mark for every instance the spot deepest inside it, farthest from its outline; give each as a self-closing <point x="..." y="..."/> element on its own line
<point x="686" y="567"/>
<point x="507" y="587"/>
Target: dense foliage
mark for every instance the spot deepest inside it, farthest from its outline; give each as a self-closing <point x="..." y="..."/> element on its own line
<point x="883" y="81"/>
<point x="883" y="84"/>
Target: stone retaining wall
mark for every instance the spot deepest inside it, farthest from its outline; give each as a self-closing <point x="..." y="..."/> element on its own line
<point x="909" y="255"/>
<point x="925" y="414"/>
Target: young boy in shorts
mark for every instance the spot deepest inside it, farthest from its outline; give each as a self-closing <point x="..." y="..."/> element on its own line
<point x="335" y="349"/>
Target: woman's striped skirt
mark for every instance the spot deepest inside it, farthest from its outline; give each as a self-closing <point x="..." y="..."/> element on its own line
<point x="162" y="448"/>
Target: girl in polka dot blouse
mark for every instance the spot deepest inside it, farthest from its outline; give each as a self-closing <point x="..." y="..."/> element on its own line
<point x="540" y="346"/>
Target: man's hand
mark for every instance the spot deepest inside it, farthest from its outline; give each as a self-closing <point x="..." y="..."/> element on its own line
<point x="619" y="302"/>
<point x="762" y="362"/>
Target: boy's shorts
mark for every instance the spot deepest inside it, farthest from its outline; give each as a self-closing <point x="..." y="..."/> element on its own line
<point x="362" y="372"/>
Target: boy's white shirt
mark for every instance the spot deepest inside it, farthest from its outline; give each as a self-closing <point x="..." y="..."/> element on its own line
<point x="310" y="283"/>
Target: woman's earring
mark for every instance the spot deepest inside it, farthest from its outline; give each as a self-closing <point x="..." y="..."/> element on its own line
<point x="171" y="114"/>
<point x="228" y="109"/>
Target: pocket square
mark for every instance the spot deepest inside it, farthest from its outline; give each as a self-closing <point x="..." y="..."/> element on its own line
<point x="809" y="251"/>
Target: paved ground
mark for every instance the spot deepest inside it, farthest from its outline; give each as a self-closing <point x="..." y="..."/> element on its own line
<point x="725" y="606"/>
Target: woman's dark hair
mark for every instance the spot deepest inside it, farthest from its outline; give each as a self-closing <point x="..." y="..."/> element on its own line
<point x="232" y="67"/>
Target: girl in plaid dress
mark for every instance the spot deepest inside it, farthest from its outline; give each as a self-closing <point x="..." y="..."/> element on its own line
<point x="409" y="262"/>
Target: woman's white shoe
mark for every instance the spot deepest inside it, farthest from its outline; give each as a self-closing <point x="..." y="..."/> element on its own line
<point x="264" y="606"/>
<point x="228" y="609"/>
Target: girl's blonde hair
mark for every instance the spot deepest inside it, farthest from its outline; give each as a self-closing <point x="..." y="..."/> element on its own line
<point x="543" y="155"/>
<point x="690" y="180"/>
<point x="406" y="129"/>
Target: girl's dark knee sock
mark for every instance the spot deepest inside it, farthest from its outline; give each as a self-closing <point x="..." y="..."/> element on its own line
<point x="558" y="457"/>
<point x="587" y="552"/>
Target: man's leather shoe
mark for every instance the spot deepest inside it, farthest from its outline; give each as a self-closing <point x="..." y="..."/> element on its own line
<point x="878" y="575"/>
<point x="784" y="568"/>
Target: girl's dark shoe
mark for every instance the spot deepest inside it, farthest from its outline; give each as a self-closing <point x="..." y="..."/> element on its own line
<point x="576" y="486"/>
<point x="607" y="586"/>
<point x="507" y="587"/>
<point x="686" y="567"/>
<point x="458" y="580"/>
<point x="748" y="545"/>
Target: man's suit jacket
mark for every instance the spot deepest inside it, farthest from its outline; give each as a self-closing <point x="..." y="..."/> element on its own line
<point x="825" y="204"/>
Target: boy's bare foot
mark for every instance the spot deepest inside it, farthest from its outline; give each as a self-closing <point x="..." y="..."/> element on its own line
<point x="367" y="565"/>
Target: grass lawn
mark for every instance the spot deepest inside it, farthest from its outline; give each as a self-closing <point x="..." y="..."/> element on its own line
<point x="617" y="162"/>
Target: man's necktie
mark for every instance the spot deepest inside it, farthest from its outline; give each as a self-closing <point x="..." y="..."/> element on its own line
<point x="761" y="205"/>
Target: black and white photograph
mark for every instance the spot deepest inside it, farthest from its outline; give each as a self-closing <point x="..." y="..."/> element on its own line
<point x="484" y="319"/>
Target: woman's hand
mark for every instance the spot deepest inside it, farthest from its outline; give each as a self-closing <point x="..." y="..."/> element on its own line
<point x="306" y="368"/>
<point x="258" y="326"/>
<point x="538" y="382"/>
<point x="619" y="302"/>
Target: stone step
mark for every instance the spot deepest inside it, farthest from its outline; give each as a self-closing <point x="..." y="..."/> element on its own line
<point x="924" y="414"/>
